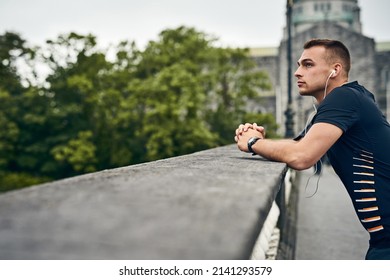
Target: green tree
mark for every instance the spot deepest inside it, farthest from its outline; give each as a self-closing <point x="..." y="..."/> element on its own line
<point x="19" y="136"/>
<point x="173" y="122"/>
<point x="193" y="93"/>
<point x="76" y="92"/>
<point x="12" y="48"/>
<point x="236" y="84"/>
<point x="179" y="95"/>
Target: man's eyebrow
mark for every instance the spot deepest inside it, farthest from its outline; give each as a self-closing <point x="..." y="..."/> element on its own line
<point x="304" y="61"/>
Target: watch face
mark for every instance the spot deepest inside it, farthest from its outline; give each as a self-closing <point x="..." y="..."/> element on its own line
<point x="252" y="141"/>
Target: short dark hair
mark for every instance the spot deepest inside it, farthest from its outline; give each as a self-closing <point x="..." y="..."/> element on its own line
<point x="336" y="51"/>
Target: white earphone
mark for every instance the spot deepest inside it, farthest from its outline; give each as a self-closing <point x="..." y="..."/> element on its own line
<point x="327" y="80"/>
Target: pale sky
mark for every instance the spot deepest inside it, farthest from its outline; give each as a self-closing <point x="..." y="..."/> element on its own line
<point x="236" y="23"/>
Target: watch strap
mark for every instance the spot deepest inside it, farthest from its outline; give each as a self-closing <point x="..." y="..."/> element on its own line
<point x="251" y="142"/>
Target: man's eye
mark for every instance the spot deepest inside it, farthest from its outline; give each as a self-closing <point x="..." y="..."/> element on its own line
<point x="308" y="65"/>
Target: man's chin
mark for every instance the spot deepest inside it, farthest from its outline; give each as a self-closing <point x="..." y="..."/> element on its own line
<point x="304" y="93"/>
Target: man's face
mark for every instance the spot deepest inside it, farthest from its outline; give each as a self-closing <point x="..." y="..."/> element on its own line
<point x="313" y="72"/>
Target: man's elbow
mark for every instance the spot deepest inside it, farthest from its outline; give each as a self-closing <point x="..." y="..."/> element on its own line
<point x="300" y="162"/>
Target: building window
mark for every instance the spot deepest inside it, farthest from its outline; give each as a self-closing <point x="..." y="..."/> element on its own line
<point x="347" y="8"/>
<point x="323" y="7"/>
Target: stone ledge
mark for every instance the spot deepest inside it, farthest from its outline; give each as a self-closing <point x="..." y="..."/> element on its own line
<point x="207" y="205"/>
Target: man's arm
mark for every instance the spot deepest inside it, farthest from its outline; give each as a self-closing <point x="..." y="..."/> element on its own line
<point x="298" y="155"/>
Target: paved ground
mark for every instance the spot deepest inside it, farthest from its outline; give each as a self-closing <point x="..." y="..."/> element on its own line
<point x="328" y="228"/>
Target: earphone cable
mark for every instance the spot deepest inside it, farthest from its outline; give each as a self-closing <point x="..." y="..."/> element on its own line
<point x="318" y="180"/>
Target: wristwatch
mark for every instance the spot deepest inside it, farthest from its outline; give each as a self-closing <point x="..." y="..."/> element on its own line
<point x="251" y="142"/>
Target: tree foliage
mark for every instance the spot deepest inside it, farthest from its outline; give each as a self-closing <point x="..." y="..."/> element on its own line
<point x="179" y="95"/>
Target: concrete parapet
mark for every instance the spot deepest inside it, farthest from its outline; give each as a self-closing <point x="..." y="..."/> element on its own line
<point x="207" y="205"/>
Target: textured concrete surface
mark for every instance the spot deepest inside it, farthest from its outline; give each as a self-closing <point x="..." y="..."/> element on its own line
<point x="328" y="228"/>
<point x="208" y="205"/>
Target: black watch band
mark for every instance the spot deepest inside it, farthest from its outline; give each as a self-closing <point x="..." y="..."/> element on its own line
<point x="251" y="142"/>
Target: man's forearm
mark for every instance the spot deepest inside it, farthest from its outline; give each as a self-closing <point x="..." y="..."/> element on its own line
<point x="294" y="153"/>
<point x="284" y="150"/>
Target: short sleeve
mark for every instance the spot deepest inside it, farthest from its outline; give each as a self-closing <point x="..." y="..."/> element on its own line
<point x="338" y="108"/>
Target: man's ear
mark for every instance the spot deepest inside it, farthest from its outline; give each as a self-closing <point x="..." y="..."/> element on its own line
<point x="337" y="67"/>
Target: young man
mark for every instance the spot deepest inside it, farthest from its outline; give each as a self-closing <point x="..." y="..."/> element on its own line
<point x="348" y="127"/>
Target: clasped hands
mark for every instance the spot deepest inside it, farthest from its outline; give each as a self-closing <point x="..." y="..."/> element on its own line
<point x="245" y="131"/>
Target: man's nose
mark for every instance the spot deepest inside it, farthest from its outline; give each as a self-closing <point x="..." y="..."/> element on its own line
<point x="297" y="73"/>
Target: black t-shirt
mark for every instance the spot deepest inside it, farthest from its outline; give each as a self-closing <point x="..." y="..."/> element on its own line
<point x="361" y="156"/>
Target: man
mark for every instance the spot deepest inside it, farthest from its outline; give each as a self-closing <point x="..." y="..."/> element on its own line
<point x="348" y="127"/>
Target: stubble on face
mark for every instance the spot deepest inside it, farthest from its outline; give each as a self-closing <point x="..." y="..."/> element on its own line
<point x="312" y="71"/>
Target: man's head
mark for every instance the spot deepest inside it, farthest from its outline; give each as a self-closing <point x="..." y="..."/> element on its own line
<point x="323" y="65"/>
<point x="335" y="52"/>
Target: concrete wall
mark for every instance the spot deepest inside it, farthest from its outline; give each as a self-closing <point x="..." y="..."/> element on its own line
<point x="215" y="204"/>
<point x="382" y="81"/>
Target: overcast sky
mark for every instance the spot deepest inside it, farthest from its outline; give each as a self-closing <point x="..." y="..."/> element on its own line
<point x="236" y="23"/>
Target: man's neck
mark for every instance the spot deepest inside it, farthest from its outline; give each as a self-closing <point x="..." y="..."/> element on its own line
<point x="329" y="88"/>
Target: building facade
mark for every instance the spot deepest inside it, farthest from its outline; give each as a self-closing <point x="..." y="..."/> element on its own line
<point x="334" y="19"/>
